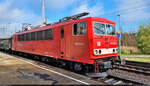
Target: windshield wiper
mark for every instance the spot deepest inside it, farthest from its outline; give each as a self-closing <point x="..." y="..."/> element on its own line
<point x="99" y="30"/>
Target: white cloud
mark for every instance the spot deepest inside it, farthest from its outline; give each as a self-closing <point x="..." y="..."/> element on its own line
<point x="133" y="10"/>
<point x="12" y="17"/>
<point x="10" y="13"/>
<point x="95" y="10"/>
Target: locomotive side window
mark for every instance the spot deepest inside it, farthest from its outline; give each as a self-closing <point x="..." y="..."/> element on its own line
<point x="42" y="35"/>
<point x="62" y="32"/>
<point x="22" y="37"/>
<point x="19" y="37"/>
<point x="79" y="29"/>
<point x="36" y="36"/>
<point x="33" y="36"/>
<point x="39" y="35"/>
<point x="25" y="37"/>
<point x="49" y="34"/>
<point x="75" y="29"/>
<point x="28" y="36"/>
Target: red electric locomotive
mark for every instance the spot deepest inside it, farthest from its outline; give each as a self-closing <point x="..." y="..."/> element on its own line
<point x="88" y="44"/>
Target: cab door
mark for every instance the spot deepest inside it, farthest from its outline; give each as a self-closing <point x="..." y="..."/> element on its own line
<point x="79" y="42"/>
<point x="62" y="43"/>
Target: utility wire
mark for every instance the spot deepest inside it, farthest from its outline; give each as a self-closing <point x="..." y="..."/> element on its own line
<point x="135" y="8"/>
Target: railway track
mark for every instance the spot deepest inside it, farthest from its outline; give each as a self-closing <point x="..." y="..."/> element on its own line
<point x="133" y="73"/>
<point x="140" y="64"/>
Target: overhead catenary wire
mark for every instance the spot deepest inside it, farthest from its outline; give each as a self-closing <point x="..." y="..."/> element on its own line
<point x="125" y="10"/>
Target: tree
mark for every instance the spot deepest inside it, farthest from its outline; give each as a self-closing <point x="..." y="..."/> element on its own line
<point x="129" y="39"/>
<point x="143" y="39"/>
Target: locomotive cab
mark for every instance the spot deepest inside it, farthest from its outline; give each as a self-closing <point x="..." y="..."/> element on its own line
<point x="104" y="39"/>
<point x="104" y="43"/>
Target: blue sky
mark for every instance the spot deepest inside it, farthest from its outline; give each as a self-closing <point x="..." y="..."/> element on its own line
<point x="15" y="12"/>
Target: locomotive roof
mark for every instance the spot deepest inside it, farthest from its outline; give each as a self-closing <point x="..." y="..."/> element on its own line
<point x="99" y="19"/>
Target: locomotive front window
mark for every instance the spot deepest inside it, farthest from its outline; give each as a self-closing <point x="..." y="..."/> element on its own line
<point x="110" y="29"/>
<point x="99" y="28"/>
<point x="103" y="29"/>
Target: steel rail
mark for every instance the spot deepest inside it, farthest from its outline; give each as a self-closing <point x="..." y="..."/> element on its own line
<point x="141" y="64"/>
<point x="126" y="78"/>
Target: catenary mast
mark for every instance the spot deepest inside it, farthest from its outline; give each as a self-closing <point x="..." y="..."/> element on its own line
<point x="43" y="12"/>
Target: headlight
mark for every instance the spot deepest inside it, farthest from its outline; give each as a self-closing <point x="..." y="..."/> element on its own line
<point x="96" y="51"/>
<point x="100" y="51"/>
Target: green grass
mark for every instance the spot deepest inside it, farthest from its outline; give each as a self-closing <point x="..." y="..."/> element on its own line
<point x="140" y="59"/>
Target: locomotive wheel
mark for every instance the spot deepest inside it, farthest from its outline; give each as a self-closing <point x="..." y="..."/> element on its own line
<point x="61" y="64"/>
<point x="25" y="55"/>
<point x="86" y="69"/>
<point x="43" y="59"/>
<point x="37" y="57"/>
<point x="77" y="67"/>
<point x="71" y="66"/>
